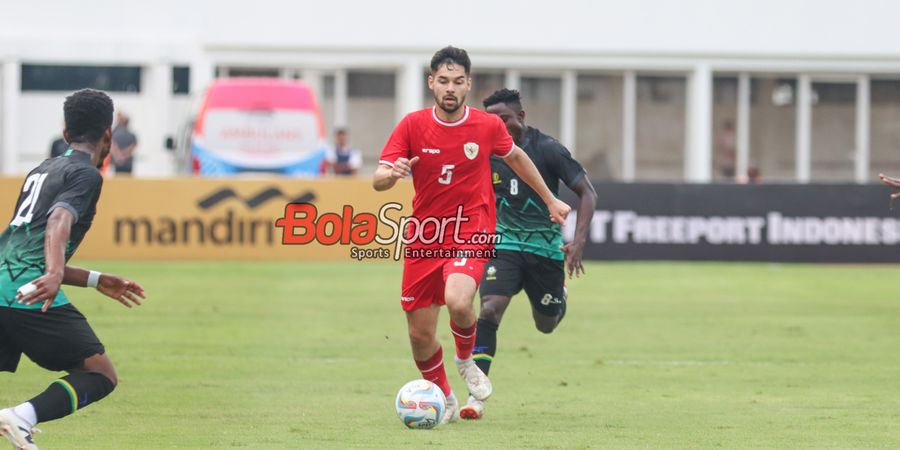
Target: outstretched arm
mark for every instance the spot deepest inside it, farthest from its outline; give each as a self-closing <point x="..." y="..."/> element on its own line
<point x="522" y="165"/>
<point x="122" y="290"/>
<point x="587" y="202"/>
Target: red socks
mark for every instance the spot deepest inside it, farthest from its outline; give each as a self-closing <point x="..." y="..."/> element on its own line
<point x="465" y="340"/>
<point x="433" y="370"/>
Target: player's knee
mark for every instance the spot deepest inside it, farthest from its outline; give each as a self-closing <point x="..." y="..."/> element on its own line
<point x="457" y="301"/>
<point x="113" y="378"/>
<point x="492" y="308"/>
<point x="490" y="313"/>
<point x="110" y="374"/>
<point x="546" y="326"/>
<point x="101" y="365"/>
<point x="421" y="338"/>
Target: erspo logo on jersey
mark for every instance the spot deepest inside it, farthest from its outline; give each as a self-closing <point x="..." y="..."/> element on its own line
<point x="303" y="224"/>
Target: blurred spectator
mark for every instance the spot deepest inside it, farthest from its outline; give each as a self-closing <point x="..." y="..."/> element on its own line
<point x="725" y="150"/>
<point x="341" y="159"/>
<point x="754" y="176"/>
<point x="123" y="144"/>
<point x="58" y="147"/>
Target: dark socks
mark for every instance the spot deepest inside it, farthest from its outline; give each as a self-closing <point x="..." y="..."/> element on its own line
<point x="485" y="344"/>
<point x="69" y="394"/>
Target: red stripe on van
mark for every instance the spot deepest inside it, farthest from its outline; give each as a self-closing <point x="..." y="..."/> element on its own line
<point x="260" y="93"/>
<point x="256" y="94"/>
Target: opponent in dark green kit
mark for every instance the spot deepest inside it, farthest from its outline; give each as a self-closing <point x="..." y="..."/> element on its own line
<point x="55" y="209"/>
<point x="531" y="254"/>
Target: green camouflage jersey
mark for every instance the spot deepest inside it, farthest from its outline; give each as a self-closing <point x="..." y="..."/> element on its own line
<point x="69" y="181"/>
<point x="523" y="220"/>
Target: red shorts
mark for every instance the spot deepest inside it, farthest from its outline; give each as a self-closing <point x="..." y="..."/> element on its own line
<point x="424" y="279"/>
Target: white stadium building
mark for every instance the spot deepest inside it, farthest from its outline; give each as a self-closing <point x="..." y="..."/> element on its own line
<point x="640" y="90"/>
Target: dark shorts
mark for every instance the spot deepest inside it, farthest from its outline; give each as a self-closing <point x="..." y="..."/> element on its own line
<point x="542" y="278"/>
<point x="59" y="339"/>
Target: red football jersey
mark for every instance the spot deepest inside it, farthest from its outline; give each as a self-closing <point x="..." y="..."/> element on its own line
<point x="454" y="166"/>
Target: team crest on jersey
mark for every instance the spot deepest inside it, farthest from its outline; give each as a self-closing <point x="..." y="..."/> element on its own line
<point x="496" y="178"/>
<point x="471" y="149"/>
<point x="491" y="273"/>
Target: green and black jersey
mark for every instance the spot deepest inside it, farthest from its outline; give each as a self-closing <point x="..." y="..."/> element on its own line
<point x="69" y="181"/>
<point x="523" y="220"/>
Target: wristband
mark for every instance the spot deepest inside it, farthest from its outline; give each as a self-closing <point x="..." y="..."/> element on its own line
<point x="93" y="279"/>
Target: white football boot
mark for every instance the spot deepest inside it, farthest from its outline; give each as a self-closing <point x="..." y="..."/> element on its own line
<point x="478" y="383"/>
<point x="451" y="409"/>
<point x="17" y="431"/>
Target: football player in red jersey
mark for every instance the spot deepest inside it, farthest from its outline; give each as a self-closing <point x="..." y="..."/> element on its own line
<point x="447" y="149"/>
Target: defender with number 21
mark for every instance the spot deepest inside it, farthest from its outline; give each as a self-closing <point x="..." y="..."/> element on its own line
<point x="55" y="210"/>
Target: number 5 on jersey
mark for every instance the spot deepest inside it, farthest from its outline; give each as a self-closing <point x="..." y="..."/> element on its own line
<point x="446" y="173"/>
<point x="26" y="211"/>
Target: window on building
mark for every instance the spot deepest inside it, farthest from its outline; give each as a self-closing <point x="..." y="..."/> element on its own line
<point x="181" y="80"/>
<point x="885" y="134"/>
<point x="660" y="128"/>
<point x="724" y="128"/>
<point x="328" y="86"/>
<point x="541" y="98"/>
<point x="44" y="77"/>
<point x="773" y="118"/>
<point x="599" y="125"/>
<point x="833" y="129"/>
<point x="483" y="85"/>
<point x="371" y="112"/>
<point x="263" y="72"/>
<point x="371" y="84"/>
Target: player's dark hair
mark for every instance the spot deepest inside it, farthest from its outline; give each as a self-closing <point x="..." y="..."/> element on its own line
<point x="88" y="113"/>
<point x="510" y="97"/>
<point x="451" y="55"/>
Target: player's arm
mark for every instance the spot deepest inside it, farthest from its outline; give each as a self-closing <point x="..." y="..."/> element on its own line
<point x="522" y="165"/>
<point x="59" y="227"/>
<point x="387" y="174"/>
<point x="892" y="182"/>
<point x="394" y="163"/>
<point x="122" y="290"/>
<point x="587" y="201"/>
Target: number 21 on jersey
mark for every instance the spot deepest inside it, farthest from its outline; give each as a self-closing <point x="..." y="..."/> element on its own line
<point x="26" y="210"/>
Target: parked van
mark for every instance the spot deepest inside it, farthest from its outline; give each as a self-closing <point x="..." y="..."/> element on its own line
<point x="258" y="125"/>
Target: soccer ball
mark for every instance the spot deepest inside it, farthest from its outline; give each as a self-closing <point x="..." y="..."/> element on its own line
<point x="420" y="404"/>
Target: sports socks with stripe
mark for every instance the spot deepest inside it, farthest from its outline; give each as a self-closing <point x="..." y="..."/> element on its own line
<point x="485" y="345"/>
<point x="69" y="394"/>
<point x="433" y="370"/>
<point x="465" y="340"/>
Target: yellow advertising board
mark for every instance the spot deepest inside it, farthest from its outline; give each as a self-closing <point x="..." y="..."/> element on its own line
<point x="222" y="218"/>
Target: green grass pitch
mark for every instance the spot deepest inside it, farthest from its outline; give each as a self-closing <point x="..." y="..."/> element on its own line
<point x="651" y="355"/>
